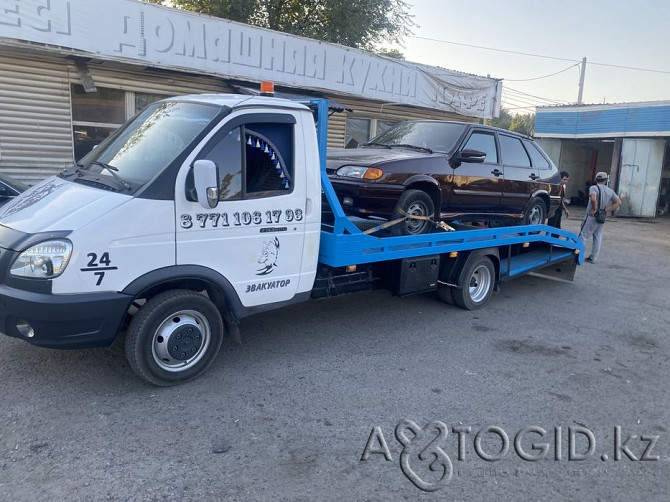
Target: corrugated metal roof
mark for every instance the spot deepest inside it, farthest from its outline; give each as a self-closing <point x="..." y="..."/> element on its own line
<point x="643" y="119"/>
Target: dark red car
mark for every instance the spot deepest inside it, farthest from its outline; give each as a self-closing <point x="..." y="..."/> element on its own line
<point x="448" y="171"/>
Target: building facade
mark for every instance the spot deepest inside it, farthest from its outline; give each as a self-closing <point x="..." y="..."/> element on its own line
<point x="72" y="71"/>
<point x="627" y="140"/>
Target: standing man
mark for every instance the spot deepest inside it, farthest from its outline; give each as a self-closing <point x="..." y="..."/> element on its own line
<point x="555" y="220"/>
<point x="600" y="197"/>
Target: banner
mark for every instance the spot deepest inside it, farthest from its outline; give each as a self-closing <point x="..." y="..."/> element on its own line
<point x="182" y="40"/>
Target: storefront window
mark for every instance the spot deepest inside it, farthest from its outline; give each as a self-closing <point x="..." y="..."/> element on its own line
<point x="383" y="126"/>
<point x="95" y="115"/>
<point x="104" y="106"/>
<point x="357" y="132"/>
<point x="144" y="99"/>
<point x="87" y="137"/>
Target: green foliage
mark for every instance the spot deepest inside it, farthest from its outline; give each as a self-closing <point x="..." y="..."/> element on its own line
<point x="523" y="123"/>
<point x="391" y="53"/>
<point x="354" y="23"/>
<point x="518" y="123"/>
<point x="504" y="121"/>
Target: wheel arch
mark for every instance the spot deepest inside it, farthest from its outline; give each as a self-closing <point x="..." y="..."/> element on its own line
<point x="492" y="253"/>
<point x="540" y="194"/>
<point x="192" y="277"/>
<point x="428" y="185"/>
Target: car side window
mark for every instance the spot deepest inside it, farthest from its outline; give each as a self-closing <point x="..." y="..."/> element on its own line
<point x="254" y="160"/>
<point x="538" y="159"/>
<point x="484" y="142"/>
<point x="512" y="151"/>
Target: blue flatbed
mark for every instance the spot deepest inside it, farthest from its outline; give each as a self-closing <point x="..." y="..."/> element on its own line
<point x="523" y="248"/>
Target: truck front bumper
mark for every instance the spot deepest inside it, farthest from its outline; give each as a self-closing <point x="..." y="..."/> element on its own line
<point x="62" y="321"/>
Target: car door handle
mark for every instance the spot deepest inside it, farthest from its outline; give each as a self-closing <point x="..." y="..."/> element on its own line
<point x="534" y="177"/>
<point x="496" y="172"/>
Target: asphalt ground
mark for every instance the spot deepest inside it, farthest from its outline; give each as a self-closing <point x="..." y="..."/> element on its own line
<point x="577" y="373"/>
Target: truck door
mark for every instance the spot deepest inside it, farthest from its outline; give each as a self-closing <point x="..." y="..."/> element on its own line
<point x="255" y="236"/>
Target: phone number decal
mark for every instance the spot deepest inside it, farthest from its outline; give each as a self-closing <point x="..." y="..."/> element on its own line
<point x="237" y="219"/>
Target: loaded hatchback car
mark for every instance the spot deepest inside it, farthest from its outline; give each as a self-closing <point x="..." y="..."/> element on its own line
<point x="446" y="171"/>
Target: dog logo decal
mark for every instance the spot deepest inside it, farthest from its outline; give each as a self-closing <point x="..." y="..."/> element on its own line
<point x="268" y="258"/>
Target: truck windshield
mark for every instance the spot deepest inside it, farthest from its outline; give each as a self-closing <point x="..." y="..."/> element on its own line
<point x="435" y="136"/>
<point x="151" y="141"/>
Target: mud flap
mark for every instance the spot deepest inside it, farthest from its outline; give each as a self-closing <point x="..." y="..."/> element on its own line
<point x="563" y="271"/>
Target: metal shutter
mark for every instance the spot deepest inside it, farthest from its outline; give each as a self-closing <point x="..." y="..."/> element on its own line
<point x="35" y="127"/>
<point x="149" y="80"/>
<point x="336" y="125"/>
<point x="382" y="111"/>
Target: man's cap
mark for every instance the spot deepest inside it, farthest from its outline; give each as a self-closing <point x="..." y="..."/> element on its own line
<point x="601" y="175"/>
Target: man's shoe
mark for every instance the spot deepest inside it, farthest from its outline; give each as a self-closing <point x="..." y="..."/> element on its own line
<point x="590" y="260"/>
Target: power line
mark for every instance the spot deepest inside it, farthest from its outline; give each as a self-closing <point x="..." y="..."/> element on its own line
<point x="628" y="67"/>
<point x="497" y="50"/>
<point x="541" y="55"/>
<point x="557" y="102"/>
<point x="518" y="107"/>
<point x="514" y="102"/>
<point x="524" y="99"/>
<point x="538" y="78"/>
<point x="520" y="101"/>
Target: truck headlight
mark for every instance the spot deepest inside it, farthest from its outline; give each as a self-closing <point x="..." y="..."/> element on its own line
<point x="45" y="260"/>
<point x="361" y="172"/>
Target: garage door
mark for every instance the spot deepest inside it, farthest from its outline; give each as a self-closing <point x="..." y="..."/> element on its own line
<point x="640" y="175"/>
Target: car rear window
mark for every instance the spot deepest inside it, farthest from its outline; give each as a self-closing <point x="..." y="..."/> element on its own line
<point x="538" y="159"/>
<point x="512" y="151"/>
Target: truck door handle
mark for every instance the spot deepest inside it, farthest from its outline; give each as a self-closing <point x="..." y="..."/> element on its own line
<point x="496" y="172"/>
<point x="534" y="176"/>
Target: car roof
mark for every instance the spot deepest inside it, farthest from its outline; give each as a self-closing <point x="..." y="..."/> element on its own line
<point x="471" y="125"/>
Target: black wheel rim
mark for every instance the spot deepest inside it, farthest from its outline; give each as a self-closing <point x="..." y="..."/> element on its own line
<point x="415" y="226"/>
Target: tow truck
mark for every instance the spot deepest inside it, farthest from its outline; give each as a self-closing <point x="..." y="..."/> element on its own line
<point x="205" y="209"/>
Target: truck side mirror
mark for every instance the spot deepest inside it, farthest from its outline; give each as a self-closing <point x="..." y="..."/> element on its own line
<point x="206" y="180"/>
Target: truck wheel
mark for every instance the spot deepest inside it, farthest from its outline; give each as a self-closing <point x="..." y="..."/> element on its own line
<point x="174" y="337"/>
<point x="478" y="284"/>
<point x="536" y="212"/>
<point x="415" y="203"/>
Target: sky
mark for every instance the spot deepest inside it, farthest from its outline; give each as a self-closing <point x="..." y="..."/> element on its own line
<point x="614" y="32"/>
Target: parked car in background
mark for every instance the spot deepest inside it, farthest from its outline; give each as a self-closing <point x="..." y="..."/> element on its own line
<point x="10" y="188"/>
<point x="446" y="170"/>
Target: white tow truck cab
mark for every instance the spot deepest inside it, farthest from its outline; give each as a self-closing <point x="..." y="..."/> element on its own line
<point x="205" y="209"/>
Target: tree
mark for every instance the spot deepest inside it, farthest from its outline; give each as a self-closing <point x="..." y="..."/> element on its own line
<point x="521" y="123"/>
<point x="354" y="23"/>
<point x="391" y="53"/>
<point x="503" y="121"/>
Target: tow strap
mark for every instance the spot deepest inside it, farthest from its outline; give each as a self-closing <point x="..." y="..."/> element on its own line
<point x="438" y="224"/>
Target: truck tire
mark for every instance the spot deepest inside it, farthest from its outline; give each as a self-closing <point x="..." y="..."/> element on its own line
<point x="445" y="293"/>
<point x="417" y="203"/>
<point x="174" y="337"/>
<point x="478" y="283"/>
<point x="536" y="213"/>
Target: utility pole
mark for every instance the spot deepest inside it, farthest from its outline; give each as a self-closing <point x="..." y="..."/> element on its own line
<point x="582" y="73"/>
